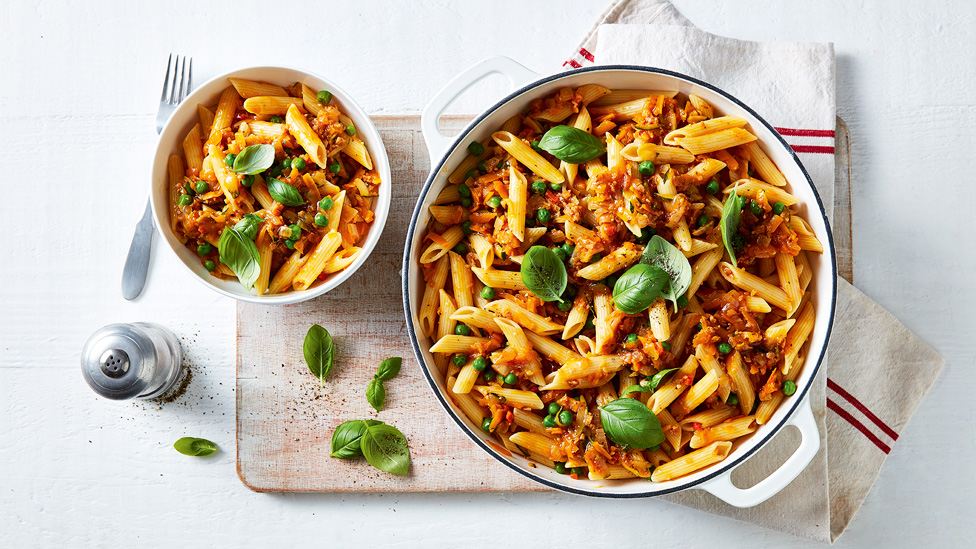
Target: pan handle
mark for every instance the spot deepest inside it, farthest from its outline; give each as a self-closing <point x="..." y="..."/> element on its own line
<point x="722" y="487"/>
<point x="437" y="142"/>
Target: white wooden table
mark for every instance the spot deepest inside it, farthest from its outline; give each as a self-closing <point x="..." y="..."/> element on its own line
<point x="78" y="92"/>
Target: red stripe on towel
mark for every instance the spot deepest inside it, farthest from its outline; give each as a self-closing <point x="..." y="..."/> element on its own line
<point x="573" y="63"/>
<point x="586" y="55"/>
<point x="806" y="133"/>
<point x="858" y="425"/>
<point x="813" y="149"/>
<point x="862" y="408"/>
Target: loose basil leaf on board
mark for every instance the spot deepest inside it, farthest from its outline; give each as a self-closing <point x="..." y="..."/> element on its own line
<point x="254" y="159"/>
<point x="238" y="252"/>
<point x="190" y="446"/>
<point x="659" y="377"/>
<point x="731" y="211"/>
<point x="572" y="145"/>
<point x="664" y="255"/>
<point x="544" y="274"/>
<point x="347" y="436"/>
<point x="376" y="394"/>
<point x="637" y="289"/>
<point x="635" y="389"/>
<point x="284" y="193"/>
<point x="319" y="352"/>
<point x="385" y="448"/>
<point x="629" y="422"/>
<point x="389" y="368"/>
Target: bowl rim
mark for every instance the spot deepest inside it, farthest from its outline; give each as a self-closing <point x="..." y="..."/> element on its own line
<point x="381" y="208"/>
<point x="434" y="174"/>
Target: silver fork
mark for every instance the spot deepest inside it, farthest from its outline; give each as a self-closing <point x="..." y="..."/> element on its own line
<point x="175" y="90"/>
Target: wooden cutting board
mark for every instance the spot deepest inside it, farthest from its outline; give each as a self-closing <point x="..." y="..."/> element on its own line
<point x="285" y="419"/>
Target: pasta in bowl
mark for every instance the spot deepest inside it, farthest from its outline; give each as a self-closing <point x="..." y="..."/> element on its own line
<point x="277" y="187"/>
<point x="616" y="282"/>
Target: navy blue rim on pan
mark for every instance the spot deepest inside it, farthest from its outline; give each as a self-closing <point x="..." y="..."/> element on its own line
<point x="405" y="274"/>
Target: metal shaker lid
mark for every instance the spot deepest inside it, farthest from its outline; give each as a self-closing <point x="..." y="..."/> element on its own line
<point x="119" y="361"/>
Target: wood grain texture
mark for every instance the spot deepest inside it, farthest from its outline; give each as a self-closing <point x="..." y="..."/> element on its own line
<point x="285" y="419"/>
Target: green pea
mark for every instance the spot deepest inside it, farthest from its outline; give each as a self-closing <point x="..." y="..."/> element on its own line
<point x="646" y="167"/>
<point x="275" y="171"/>
<point x="488" y="293"/>
<point x="189" y="189"/>
<point x="460" y="249"/>
<point x="511" y="379"/>
<point x="495" y="201"/>
<point x="560" y="468"/>
<point x="712" y="187"/>
<point x="229" y="160"/>
<point x="738" y="241"/>
<point x="560" y="253"/>
<point x="549" y="421"/>
<point x="202" y="186"/>
<point x="565" y="305"/>
<point x="247" y="180"/>
<point x="476" y="148"/>
<point x="350" y="129"/>
<point x="296" y="232"/>
<point x="755" y="208"/>
<point x="565" y="418"/>
<point x="724" y="348"/>
<point x="209" y="265"/>
<point x="581" y="472"/>
<point x="459" y="360"/>
<point x="778" y="207"/>
<point x="631" y="338"/>
<point x="335" y="167"/>
<point x="733" y="400"/>
<point x="204" y="249"/>
<point x="185" y="200"/>
<point x="542" y="215"/>
<point x="742" y="202"/>
<point x="321" y="220"/>
<point x="489" y="375"/>
<point x="464" y="190"/>
<point x="324" y="97"/>
<point x="462" y="330"/>
<point x="751" y="173"/>
<point x="290" y="244"/>
<point x="539" y="187"/>
<point x="482" y="168"/>
<point x="466" y="227"/>
<point x="703" y="220"/>
<point x="286" y="163"/>
<point x="556" y="187"/>
<point x="553" y="408"/>
<point x="683" y="300"/>
<point x="471" y="175"/>
<point x="596" y="257"/>
<point x="789" y="387"/>
<point x="298" y="163"/>
<point x="480" y="364"/>
<point x="666" y="345"/>
<point x="326" y="204"/>
<point x="466" y="202"/>
<point x="486" y="425"/>
<point x="276" y="119"/>
<point x="646" y="234"/>
<point x="568" y="249"/>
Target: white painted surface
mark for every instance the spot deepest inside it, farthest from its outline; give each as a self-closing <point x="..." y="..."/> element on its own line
<point x="78" y="90"/>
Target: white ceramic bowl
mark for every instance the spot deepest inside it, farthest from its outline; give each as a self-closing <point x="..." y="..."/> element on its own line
<point x="447" y="152"/>
<point x="185" y="116"/>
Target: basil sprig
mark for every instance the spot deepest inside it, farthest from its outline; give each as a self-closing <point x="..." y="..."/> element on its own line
<point x="637" y="289"/>
<point x="237" y="250"/>
<point x="284" y="193"/>
<point x="664" y="255"/>
<point x="254" y="159"/>
<point x="659" y="377"/>
<point x="385" y="448"/>
<point x="319" y="352"/>
<point x="628" y="422"/>
<point x="635" y="389"/>
<point x="731" y="212"/>
<point x="572" y="145"/>
<point x="544" y="274"/>
<point x="347" y="436"/>
<point x="375" y="391"/>
<point x="190" y="446"/>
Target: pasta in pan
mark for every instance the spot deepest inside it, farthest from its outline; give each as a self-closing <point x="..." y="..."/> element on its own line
<point x="540" y="372"/>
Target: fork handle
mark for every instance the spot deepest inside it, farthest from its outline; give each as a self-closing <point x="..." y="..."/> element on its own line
<point x="137" y="262"/>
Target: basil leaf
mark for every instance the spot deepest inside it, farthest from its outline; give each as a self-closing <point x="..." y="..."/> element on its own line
<point x="665" y="256"/>
<point x="731" y="211"/>
<point x="389" y="368"/>
<point x="249" y="225"/>
<point x="572" y="145"/>
<point x="237" y="250"/>
<point x="385" y="448"/>
<point x="637" y="289"/>
<point x="346" y="438"/>
<point x="635" y="389"/>
<point x="544" y="274"/>
<point x="659" y="377"/>
<point x="319" y="352"/>
<point x="284" y="193"/>
<point x="254" y="159"/>
<point x="190" y="446"/>
<point x="628" y="422"/>
<point x="376" y="394"/>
